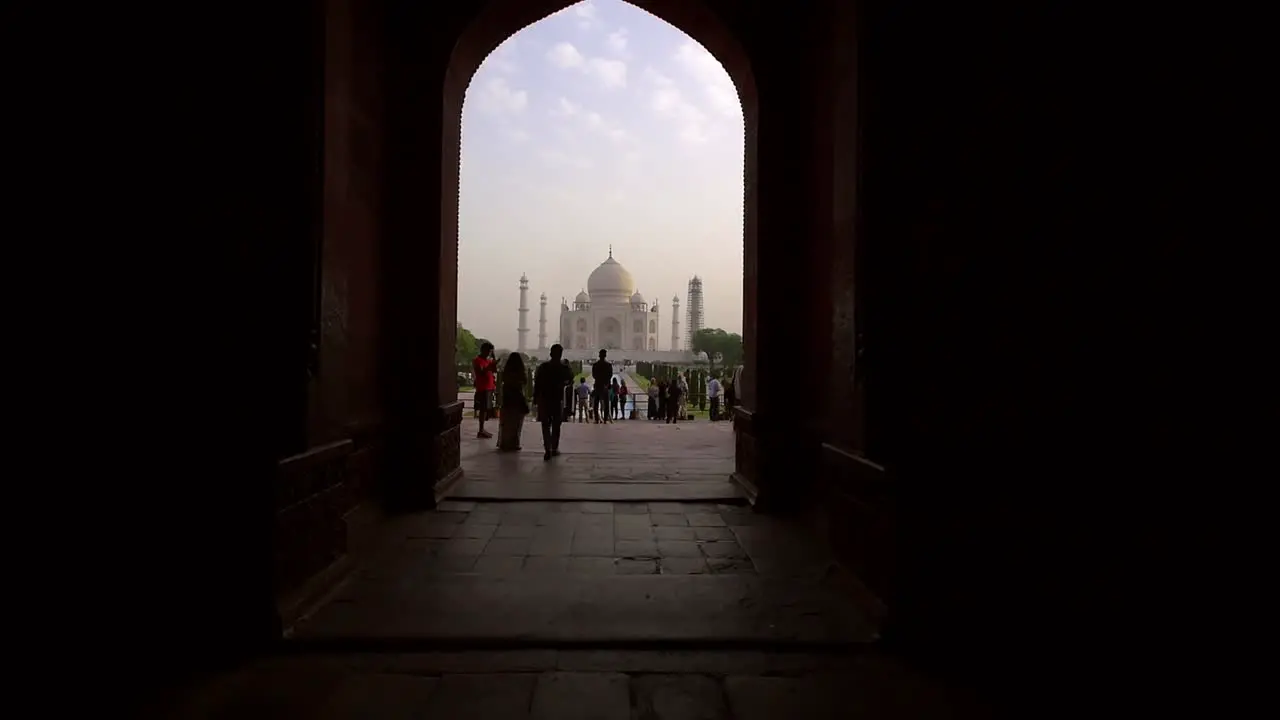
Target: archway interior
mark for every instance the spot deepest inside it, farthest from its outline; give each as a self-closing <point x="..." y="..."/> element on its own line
<point x="499" y="22"/>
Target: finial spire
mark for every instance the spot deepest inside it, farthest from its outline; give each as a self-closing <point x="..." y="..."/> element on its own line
<point x="610" y="249"/>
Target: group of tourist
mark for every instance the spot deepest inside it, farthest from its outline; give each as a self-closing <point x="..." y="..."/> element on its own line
<point x="556" y="399"/>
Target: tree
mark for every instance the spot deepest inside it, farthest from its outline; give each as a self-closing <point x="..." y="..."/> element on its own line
<point x="466" y="347"/>
<point x="720" y="346"/>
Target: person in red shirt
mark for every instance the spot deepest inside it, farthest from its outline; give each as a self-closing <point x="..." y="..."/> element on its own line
<point x="485" y="369"/>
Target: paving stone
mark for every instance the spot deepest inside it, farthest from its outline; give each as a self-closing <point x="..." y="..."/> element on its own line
<point x="550" y="542"/>
<point x="723" y="549"/>
<point x="466" y="661"/>
<point x="567" y="521"/>
<point x="769" y="698"/>
<point x="674" y="533"/>
<point x="668" y="520"/>
<point x="508" y="546"/>
<point x="713" y="533"/>
<point x="447" y="564"/>
<point x="497" y="696"/>
<point x="465" y="506"/>
<point x="519" y="520"/>
<point x="732" y="662"/>
<point x="515" y="509"/>
<point x="731" y="566"/>
<point x="639" y="549"/>
<point x="433" y="529"/>
<point x="667" y="508"/>
<point x="632" y="566"/>
<point x="592" y="543"/>
<point x="679" y="548"/>
<point x="591" y="565"/>
<point x="373" y="695"/>
<point x="546" y="564"/>
<point x="593" y="521"/>
<point x="597" y="507"/>
<point x="678" y="697"/>
<point x="705" y="520"/>
<point x="633" y="531"/>
<point x="622" y="508"/>
<point x="464" y="546"/>
<point x="475" y="531"/>
<point x="484" y="517"/>
<point x="684" y="566"/>
<point x="514" y="531"/>
<point x="580" y="696"/>
<point x="499" y="564"/>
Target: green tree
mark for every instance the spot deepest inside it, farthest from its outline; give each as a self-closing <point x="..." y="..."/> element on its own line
<point x="466" y="347"/>
<point x="720" y="347"/>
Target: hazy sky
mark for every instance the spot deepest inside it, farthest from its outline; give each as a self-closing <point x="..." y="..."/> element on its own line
<point x="600" y="124"/>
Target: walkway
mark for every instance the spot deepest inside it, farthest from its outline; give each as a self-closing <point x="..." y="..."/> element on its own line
<point x="634" y="460"/>
<point x="582" y="610"/>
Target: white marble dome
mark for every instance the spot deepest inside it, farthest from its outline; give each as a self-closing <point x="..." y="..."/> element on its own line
<point x="610" y="281"/>
<point x="637" y="299"/>
<point x="582" y="297"/>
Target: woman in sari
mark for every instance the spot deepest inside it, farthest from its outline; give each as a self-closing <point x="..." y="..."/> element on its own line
<point x="514" y="405"/>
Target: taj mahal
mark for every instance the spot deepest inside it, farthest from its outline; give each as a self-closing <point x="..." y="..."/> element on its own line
<point x="610" y="314"/>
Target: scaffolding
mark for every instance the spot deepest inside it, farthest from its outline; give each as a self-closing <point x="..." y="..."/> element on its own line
<point x="693" y="311"/>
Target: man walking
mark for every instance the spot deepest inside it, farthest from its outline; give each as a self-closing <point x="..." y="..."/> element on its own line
<point x="484" y="367"/>
<point x="584" y="400"/>
<point x="601" y="377"/>
<point x="549" y="383"/>
<point x="713" y="394"/>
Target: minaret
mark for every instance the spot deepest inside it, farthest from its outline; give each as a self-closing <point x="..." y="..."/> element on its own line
<point x="542" y="323"/>
<point x="675" y="323"/>
<point x="522" y="330"/>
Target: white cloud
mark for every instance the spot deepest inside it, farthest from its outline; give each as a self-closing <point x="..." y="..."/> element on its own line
<point x="497" y="96"/>
<point x="668" y="102"/>
<point x="503" y="59"/>
<point x="618" y="40"/>
<point x="591" y="120"/>
<point x="564" y="56"/>
<point x="586" y="14"/>
<point x="562" y="160"/>
<point x="612" y="74"/>
<point x="703" y="67"/>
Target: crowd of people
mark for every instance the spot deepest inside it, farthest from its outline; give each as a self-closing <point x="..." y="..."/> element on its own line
<point x="557" y="400"/>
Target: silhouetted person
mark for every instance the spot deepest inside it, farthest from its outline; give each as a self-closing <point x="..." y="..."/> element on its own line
<point x="549" y="381"/>
<point x="662" y="400"/>
<point x="653" y="401"/>
<point x="613" y="398"/>
<point x="514" y="406"/>
<point x="622" y="398"/>
<point x="601" y="375"/>
<point x="484" y="368"/>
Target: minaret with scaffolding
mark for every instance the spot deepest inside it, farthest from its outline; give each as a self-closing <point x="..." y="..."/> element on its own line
<point x="693" y="306"/>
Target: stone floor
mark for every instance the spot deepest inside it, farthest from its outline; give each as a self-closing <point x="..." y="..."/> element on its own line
<point x="633" y="460"/>
<point x="592" y="572"/>
<point x="572" y="685"/>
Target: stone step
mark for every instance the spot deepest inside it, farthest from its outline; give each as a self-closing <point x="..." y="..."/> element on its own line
<point x="605" y="610"/>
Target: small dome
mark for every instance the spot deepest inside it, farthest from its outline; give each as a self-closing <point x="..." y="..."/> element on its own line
<point x="637" y="299"/>
<point x="583" y="297"/>
<point x="675" y="299"/>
